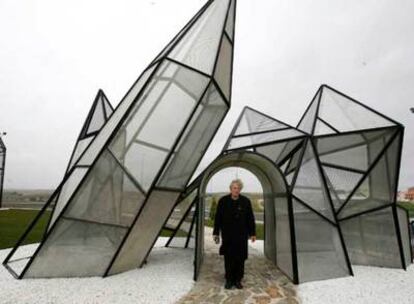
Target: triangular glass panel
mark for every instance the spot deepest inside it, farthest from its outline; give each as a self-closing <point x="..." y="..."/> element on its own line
<point x="309" y="186"/>
<point x="342" y="182"/>
<point x="18" y="260"/>
<point x="262" y="138"/>
<point x="271" y="151"/>
<point x="198" y="47"/>
<point x="295" y="160"/>
<point x="230" y="20"/>
<point x="107" y="106"/>
<point x="378" y="187"/>
<point x="345" y="114"/>
<point x="353" y="151"/>
<point x="322" y="128"/>
<point x="222" y="74"/>
<point x="108" y="195"/>
<point x="289" y="147"/>
<point x="254" y="121"/>
<point x="371" y="239"/>
<point x="320" y="253"/>
<point x="98" y="118"/>
<point x="308" y="120"/>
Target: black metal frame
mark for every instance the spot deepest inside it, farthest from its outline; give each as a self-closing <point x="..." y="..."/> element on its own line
<point x="83" y="134"/>
<point x="302" y="140"/>
<point x="3" y="151"/>
<point x="396" y="129"/>
<point x="156" y="64"/>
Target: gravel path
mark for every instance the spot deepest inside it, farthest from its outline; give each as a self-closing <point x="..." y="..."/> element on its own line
<point x="263" y="283"/>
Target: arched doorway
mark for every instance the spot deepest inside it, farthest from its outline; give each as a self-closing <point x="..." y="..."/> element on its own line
<point x="278" y="224"/>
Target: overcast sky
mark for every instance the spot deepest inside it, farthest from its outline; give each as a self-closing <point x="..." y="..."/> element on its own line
<point x="55" y="55"/>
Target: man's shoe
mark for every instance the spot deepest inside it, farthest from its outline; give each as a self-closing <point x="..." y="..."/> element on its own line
<point x="238" y="285"/>
<point x="228" y="285"/>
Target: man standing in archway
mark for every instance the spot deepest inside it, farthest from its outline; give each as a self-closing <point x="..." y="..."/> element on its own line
<point x="235" y="220"/>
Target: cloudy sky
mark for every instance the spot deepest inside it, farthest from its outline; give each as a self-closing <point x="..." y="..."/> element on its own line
<point x="55" y="55"/>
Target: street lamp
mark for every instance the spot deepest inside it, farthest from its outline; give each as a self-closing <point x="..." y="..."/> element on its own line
<point x="2" y="164"/>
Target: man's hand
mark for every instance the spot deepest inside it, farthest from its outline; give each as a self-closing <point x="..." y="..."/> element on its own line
<point x="216" y="239"/>
<point x="253" y="238"/>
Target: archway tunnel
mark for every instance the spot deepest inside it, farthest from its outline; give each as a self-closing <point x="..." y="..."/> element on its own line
<point x="277" y="230"/>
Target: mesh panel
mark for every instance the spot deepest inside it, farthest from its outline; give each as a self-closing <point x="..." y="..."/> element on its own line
<point x="319" y="251"/>
<point x="371" y="239"/>
<point x="180" y="210"/>
<point x="182" y="32"/>
<point x="107" y="106"/>
<point x="107" y="195"/>
<point x="31" y="241"/>
<point x="289" y="178"/>
<point x="184" y="237"/>
<point x="230" y="20"/>
<point x="342" y="181"/>
<point x="248" y="140"/>
<point x="108" y="128"/>
<point x="309" y="187"/>
<point x="272" y="151"/>
<point x="253" y="121"/>
<point x="147" y="145"/>
<point x="66" y="192"/>
<point x="144" y="162"/>
<point x="355" y="151"/>
<point x="288" y="149"/>
<point x="159" y="123"/>
<point x="198" y="48"/>
<point x="306" y="124"/>
<point x="199" y="245"/>
<point x="98" y="118"/>
<point x="81" y="146"/>
<point x="377" y="189"/>
<point x="321" y="128"/>
<point x="347" y="115"/>
<point x="143" y="130"/>
<point x="294" y="161"/>
<point x="76" y="248"/>
<point x="145" y="231"/>
<point x="195" y="140"/>
<point x="270" y="240"/>
<point x="404" y="223"/>
<point x="283" y="241"/>
<point x="222" y="73"/>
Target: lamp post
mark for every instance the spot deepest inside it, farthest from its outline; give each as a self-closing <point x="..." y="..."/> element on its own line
<point x="2" y="164"/>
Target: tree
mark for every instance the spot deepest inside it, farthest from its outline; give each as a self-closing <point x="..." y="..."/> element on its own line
<point x="213" y="208"/>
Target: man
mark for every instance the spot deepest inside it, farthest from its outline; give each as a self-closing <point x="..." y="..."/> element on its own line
<point x="235" y="220"/>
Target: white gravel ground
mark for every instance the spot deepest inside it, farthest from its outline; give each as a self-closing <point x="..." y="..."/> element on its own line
<point x="368" y="285"/>
<point x="167" y="277"/>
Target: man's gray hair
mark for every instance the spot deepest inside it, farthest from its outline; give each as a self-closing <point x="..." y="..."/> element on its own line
<point x="237" y="181"/>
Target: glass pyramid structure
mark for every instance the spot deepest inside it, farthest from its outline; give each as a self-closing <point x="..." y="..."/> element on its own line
<point x="333" y="200"/>
<point x="329" y="184"/>
<point x="129" y="169"/>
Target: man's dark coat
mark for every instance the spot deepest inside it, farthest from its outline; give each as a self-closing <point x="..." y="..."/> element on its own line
<point x="235" y="220"/>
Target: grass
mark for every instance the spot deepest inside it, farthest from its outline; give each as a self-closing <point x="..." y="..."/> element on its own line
<point x="408" y="206"/>
<point x="13" y="224"/>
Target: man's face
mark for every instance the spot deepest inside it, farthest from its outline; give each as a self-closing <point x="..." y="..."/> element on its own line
<point x="235" y="190"/>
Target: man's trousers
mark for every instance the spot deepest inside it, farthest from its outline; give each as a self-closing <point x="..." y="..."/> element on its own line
<point x="234" y="267"/>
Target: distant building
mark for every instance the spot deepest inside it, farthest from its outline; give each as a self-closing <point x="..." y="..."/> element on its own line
<point x="409" y="195"/>
<point x="401" y="196"/>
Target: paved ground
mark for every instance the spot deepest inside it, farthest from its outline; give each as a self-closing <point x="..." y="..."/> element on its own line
<point x="263" y="283"/>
